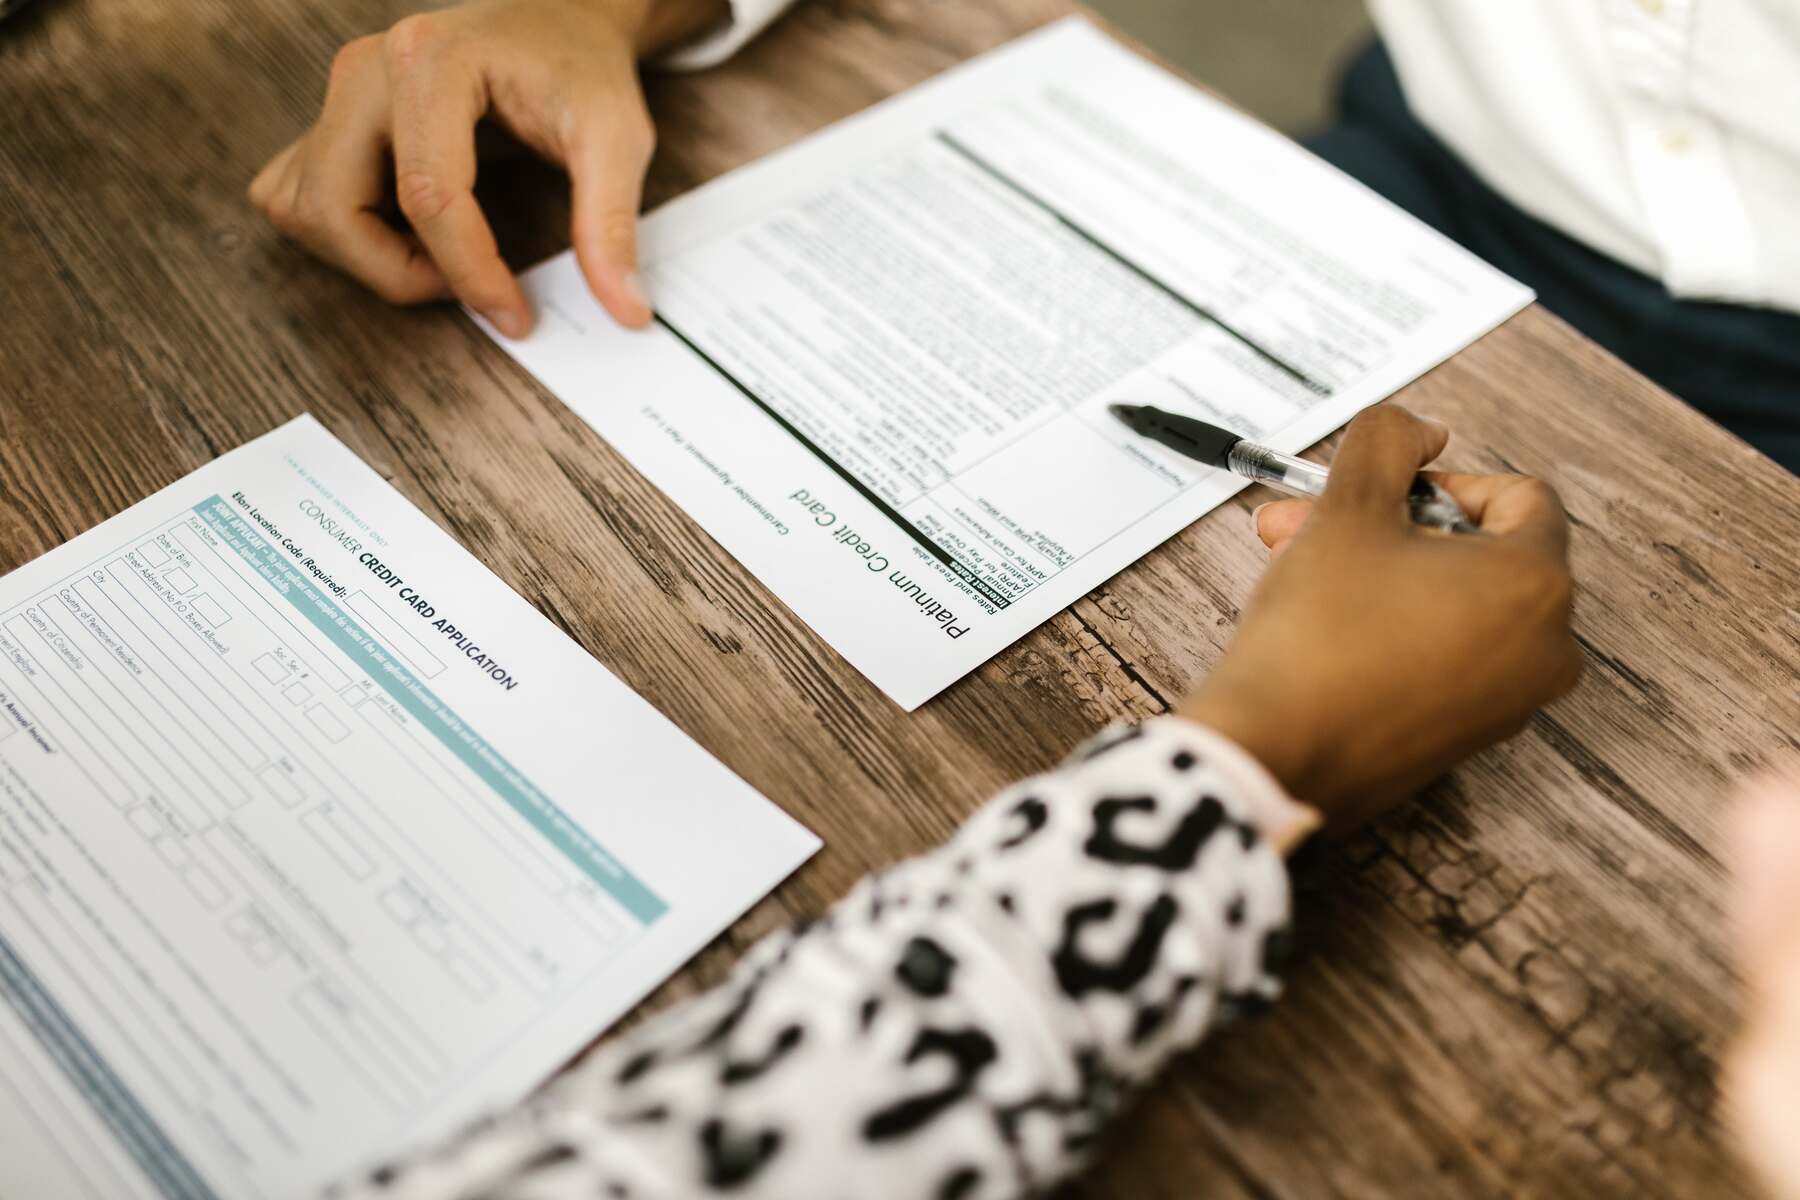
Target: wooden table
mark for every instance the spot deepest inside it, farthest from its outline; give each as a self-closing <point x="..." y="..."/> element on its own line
<point x="1517" y="987"/>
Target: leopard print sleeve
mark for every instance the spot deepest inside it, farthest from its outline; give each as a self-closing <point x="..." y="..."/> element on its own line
<point x="960" y="1027"/>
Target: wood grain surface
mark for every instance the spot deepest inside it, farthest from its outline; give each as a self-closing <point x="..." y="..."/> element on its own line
<point x="1516" y="987"/>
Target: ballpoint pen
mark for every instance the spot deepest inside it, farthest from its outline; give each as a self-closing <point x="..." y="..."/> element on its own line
<point x="1431" y="505"/>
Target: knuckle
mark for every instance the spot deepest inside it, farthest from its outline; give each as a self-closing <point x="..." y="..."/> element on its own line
<point x="1540" y="497"/>
<point x="421" y="195"/>
<point x="307" y="209"/>
<point x="349" y="62"/>
<point x="412" y="41"/>
<point x="280" y="213"/>
<point x="1543" y="594"/>
<point x="614" y="227"/>
<point x="630" y="137"/>
<point x="269" y="186"/>
<point x="1541" y="494"/>
<point x="302" y="221"/>
<point x="1383" y="418"/>
<point x="641" y="135"/>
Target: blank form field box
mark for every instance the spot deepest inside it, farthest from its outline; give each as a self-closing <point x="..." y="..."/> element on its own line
<point x="271" y="668"/>
<point x="394" y="636"/>
<point x="282" y="786"/>
<point x="209" y="610"/>
<point x="153" y="553"/>
<point x="327" y="723"/>
<point x="298" y="694"/>
<point x="180" y="580"/>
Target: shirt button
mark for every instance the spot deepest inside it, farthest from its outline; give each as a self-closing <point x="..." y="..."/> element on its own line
<point x="1677" y="140"/>
<point x="1653" y="7"/>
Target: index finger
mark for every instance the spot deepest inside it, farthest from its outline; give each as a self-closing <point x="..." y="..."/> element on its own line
<point x="438" y="98"/>
<point x="1511" y="506"/>
<point x="1374" y="468"/>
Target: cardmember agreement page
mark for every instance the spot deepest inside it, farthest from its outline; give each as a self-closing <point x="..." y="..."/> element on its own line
<point x="315" y="839"/>
<point x="883" y="357"/>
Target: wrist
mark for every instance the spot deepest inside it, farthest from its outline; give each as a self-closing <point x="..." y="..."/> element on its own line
<point x="1280" y="743"/>
<point x="662" y="25"/>
<point x="1283" y="820"/>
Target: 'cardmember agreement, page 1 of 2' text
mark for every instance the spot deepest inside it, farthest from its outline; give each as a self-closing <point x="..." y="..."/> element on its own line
<point x="882" y="358"/>
<point x="316" y="839"/>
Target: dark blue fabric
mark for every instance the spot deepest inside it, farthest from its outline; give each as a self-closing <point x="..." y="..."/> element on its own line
<point x="1739" y="365"/>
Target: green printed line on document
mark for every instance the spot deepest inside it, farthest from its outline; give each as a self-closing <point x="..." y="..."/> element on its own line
<point x="386" y="669"/>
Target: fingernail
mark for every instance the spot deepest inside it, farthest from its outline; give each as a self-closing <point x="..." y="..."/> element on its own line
<point x="509" y="321"/>
<point x="1256" y="514"/>
<point x="1434" y="423"/>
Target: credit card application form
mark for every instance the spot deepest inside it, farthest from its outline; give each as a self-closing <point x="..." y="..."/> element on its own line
<point x="316" y="840"/>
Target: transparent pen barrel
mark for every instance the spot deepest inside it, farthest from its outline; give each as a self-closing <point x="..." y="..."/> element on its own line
<point x="1283" y="471"/>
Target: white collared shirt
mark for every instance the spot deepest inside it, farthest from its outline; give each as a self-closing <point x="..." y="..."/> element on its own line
<point x="1663" y="133"/>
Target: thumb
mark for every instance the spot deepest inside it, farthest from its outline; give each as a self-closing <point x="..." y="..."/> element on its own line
<point x="1280" y="520"/>
<point x="1374" y="469"/>
<point x="1766" y="900"/>
<point x="1761" y="1079"/>
<point x="606" y="170"/>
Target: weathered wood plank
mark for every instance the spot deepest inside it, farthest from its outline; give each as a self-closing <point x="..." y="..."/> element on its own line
<point x="1515" y="988"/>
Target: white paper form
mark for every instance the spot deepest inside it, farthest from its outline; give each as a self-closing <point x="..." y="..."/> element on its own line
<point x="883" y="356"/>
<point x="316" y="840"/>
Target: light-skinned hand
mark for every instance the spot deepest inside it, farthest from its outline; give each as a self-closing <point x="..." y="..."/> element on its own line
<point x="1375" y="654"/>
<point x="398" y="132"/>
<point x="1761" y="1085"/>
